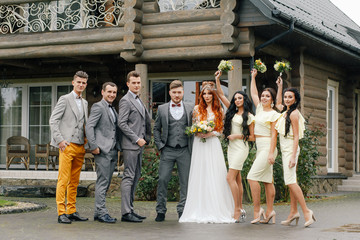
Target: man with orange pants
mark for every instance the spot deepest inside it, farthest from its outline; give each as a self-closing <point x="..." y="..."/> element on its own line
<point x="67" y="124"/>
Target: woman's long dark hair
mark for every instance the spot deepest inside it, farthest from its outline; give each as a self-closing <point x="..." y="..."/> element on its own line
<point x="273" y="96"/>
<point x="232" y="110"/>
<point x="291" y="108"/>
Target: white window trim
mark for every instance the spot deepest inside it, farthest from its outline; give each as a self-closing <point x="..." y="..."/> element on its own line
<point x="335" y="86"/>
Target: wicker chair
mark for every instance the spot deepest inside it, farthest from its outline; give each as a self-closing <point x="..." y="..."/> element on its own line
<point x="18" y="147"/>
<point x="47" y="153"/>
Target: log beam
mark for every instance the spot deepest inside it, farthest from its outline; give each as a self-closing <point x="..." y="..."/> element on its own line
<point x="101" y="48"/>
<point x="60" y="38"/>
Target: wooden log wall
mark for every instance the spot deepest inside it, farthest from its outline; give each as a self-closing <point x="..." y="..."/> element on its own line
<point x="316" y="74"/>
<point x="192" y="34"/>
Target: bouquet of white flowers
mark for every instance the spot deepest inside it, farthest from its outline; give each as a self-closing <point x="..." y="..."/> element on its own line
<point x="225" y="66"/>
<point x="260" y="66"/>
<point x="282" y="66"/>
<point x="200" y="127"/>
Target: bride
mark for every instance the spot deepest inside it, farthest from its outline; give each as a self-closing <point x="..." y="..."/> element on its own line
<point x="209" y="198"/>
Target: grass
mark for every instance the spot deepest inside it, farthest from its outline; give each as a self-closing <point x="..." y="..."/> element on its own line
<point x="4" y="203"/>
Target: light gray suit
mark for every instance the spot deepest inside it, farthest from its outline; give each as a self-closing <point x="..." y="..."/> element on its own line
<point x="103" y="132"/>
<point x="171" y="154"/>
<point x="67" y="123"/>
<point x="134" y="122"/>
<point x="64" y="118"/>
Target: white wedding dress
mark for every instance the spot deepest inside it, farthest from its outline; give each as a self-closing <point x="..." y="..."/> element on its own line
<point x="209" y="198"/>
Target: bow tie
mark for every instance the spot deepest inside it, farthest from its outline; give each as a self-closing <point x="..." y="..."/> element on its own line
<point x="78" y="97"/>
<point x="176" y="105"/>
<point x="110" y="106"/>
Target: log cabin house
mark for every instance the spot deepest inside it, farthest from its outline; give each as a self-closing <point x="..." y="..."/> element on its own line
<point x="44" y="42"/>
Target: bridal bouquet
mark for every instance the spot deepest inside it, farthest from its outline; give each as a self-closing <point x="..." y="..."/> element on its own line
<point x="225" y="66"/>
<point x="282" y="66"/>
<point x="200" y="127"/>
<point x="260" y="66"/>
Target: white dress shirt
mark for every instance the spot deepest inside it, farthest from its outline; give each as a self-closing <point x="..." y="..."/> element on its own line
<point x="78" y="102"/>
<point x="178" y="111"/>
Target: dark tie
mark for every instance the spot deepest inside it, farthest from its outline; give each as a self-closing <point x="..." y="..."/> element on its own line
<point x="110" y="106"/>
<point x="176" y="105"/>
<point x="78" y="97"/>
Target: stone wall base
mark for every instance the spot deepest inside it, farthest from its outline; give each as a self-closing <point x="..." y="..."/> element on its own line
<point x="326" y="184"/>
<point x="11" y="187"/>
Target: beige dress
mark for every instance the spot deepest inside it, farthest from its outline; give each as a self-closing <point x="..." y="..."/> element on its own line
<point x="286" y="146"/>
<point x="238" y="150"/>
<point x="261" y="170"/>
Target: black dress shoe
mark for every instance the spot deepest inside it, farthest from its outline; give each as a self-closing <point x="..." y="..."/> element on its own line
<point x="179" y="214"/>
<point x="130" y="218"/>
<point x="105" y="219"/>
<point x="76" y="217"/>
<point x="138" y="216"/>
<point x="64" y="219"/>
<point x="160" y="217"/>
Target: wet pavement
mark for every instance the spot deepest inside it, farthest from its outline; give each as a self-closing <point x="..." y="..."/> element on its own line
<point x="338" y="217"/>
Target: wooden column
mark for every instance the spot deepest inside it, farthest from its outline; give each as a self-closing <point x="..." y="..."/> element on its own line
<point x="235" y="77"/>
<point x="142" y="69"/>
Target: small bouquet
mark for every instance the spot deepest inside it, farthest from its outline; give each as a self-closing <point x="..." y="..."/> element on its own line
<point x="282" y="66"/>
<point x="225" y="66"/>
<point x="260" y="66"/>
<point x="200" y="127"/>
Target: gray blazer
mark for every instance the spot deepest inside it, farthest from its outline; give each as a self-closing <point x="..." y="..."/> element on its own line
<point x="101" y="131"/>
<point x="64" y="118"/>
<point x="162" y="123"/>
<point x="133" y="124"/>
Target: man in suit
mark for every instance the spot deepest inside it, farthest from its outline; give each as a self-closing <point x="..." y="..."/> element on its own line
<point x="67" y="124"/>
<point x="170" y="138"/>
<point x="135" y="125"/>
<point x="103" y="136"/>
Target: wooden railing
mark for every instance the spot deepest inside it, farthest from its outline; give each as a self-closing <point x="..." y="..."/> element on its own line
<point x="49" y="15"/>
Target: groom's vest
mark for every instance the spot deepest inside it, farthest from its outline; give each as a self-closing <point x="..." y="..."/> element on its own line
<point x="176" y="132"/>
<point x="78" y="135"/>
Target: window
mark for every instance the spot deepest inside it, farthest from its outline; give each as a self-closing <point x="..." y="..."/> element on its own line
<point x="25" y="111"/>
<point x="332" y="126"/>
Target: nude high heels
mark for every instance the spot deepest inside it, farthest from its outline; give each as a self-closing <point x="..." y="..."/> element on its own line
<point x="296" y="217"/>
<point x="312" y="219"/>
<point x="268" y="218"/>
<point x="256" y="220"/>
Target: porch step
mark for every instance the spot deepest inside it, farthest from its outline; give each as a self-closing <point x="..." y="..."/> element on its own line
<point x="349" y="188"/>
<point x="351" y="184"/>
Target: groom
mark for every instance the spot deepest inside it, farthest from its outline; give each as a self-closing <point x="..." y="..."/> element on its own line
<point x="169" y="134"/>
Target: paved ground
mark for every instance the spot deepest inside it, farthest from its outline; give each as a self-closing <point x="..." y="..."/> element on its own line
<point x="331" y="214"/>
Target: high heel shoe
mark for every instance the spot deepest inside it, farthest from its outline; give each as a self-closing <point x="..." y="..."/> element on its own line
<point x="287" y="222"/>
<point x="312" y="219"/>
<point x="256" y="220"/>
<point x="243" y="214"/>
<point x="271" y="216"/>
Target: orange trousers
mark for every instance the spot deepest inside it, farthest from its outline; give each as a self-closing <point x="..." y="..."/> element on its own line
<point x="70" y="163"/>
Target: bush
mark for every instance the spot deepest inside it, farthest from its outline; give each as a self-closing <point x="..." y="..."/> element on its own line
<point x="147" y="185"/>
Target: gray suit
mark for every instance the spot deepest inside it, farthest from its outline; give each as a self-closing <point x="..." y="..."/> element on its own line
<point x="64" y="118"/>
<point x="103" y="132"/>
<point x="181" y="154"/>
<point x="134" y="122"/>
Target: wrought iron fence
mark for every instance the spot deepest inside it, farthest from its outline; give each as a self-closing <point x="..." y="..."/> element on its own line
<point x="175" y="5"/>
<point x="47" y="15"/>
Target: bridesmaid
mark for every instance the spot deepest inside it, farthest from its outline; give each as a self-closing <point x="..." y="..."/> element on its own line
<point x="291" y="126"/>
<point x="266" y="136"/>
<point x="238" y="130"/>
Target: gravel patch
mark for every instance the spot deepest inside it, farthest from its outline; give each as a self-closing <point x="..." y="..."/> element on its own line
<point x="22" y="207"/>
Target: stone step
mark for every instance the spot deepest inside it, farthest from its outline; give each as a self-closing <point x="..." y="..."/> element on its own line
<point x="351" y="181"/>
<point x="349" y="188"/>
<point x="355" y="177"/>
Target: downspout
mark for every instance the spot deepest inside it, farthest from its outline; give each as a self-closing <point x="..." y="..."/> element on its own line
<point x="291" y="29"/>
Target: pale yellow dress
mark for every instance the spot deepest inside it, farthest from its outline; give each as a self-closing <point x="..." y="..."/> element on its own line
<point x="238" y="150"/>
<point x="261" y="170"/>
<point x="286" y="146"/>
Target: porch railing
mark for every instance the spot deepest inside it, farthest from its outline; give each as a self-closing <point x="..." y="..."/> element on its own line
<point x="175" y="5"/>
<point x="47" y="15"/>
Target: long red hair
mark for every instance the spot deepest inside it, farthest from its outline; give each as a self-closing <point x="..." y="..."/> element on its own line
<point x="215" y="106"/>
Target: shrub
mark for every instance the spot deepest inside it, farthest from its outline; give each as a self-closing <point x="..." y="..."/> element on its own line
<point x="147" y="185"/>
